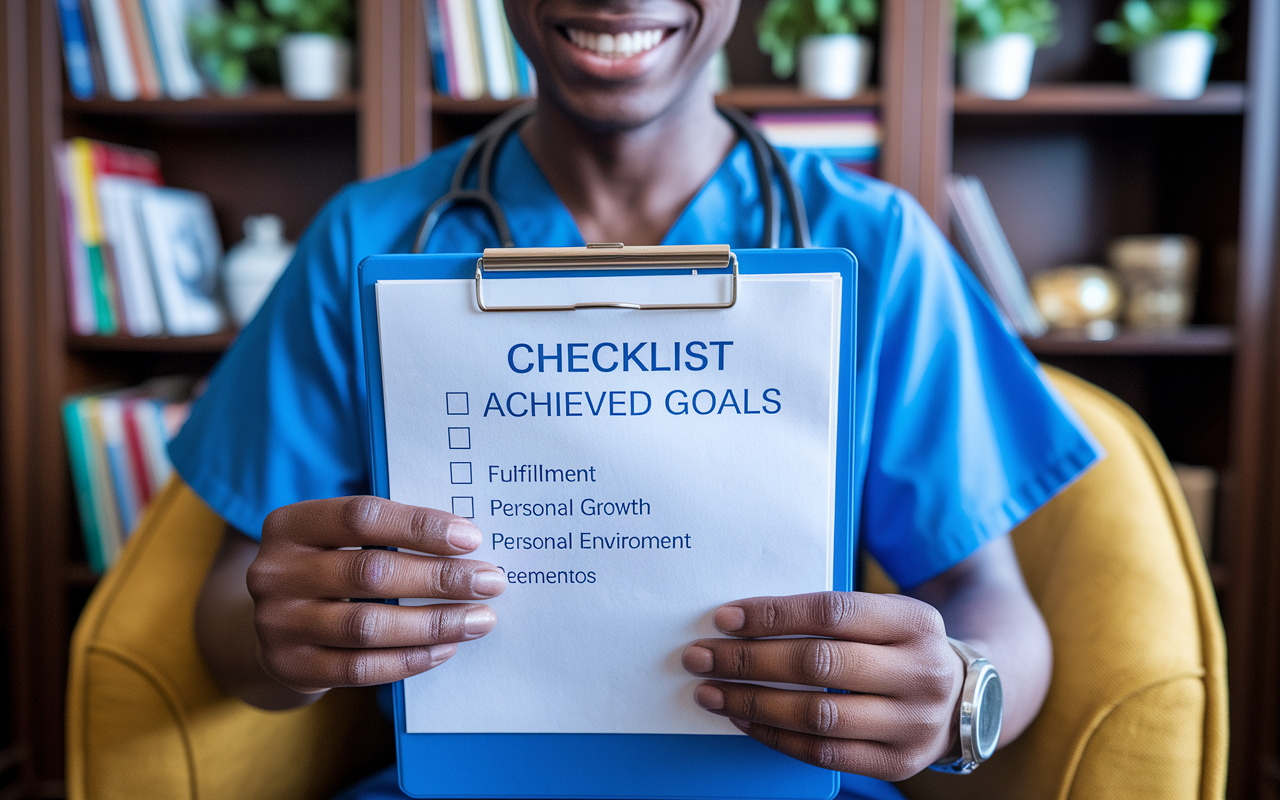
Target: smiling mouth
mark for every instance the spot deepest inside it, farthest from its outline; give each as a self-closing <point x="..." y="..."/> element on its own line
<point x="615" y="45"/>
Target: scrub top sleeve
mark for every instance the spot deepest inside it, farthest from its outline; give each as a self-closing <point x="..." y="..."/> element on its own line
<point x="284" y="418"/>
<point x="968" y="438"/>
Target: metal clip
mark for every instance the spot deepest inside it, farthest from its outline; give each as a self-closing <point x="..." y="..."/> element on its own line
<point x="608" y="256"/>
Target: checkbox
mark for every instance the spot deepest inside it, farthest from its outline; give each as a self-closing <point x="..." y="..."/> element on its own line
<point x="464" y="507"/>
<point x="455" y="404"/>
<point x="459" y="438"/>
<point x="459" y="472"/>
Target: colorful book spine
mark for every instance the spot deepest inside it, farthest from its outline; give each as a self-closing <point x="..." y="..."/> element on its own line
<point x="80" y="452"/>
<point x="468" y="71"/>
<point x="139" y="42"/>
<point x="499" y="71"/>
<point x="75" y="50"/>
<point x="122" y="76"/>
<point x="81" y="311"/>
<point x="438" y="43"/>
<point x="89" y="228"/>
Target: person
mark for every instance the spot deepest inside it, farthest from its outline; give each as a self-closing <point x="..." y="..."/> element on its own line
<point x="958" y="437"/>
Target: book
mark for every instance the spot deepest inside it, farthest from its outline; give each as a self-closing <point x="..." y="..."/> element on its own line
<point x="985" y="246"/>
<point x="122" y="76"/>
<point x="82" y="314"/>
<point x="183" y="247"/>
<point x="75" y="50"/>
<point x="88" y="227"/>
<point x="140" y="50"/>
<point x="440" y="44"/>
<point x="95" y="48"/>
<point x="118" y="200"/>
<point x="167" y="20"/>
<point x="116" y="448"/>
<point x="499" y="69"/>
<point x="460" y="27"/>
<point x="850" y="139"/>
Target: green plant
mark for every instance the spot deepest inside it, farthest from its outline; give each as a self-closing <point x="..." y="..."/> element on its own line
<point x="238" y="42"/>
<point x="785" y="22"/>
<point x="980" y="20"/>
<point x="1139" y="21"/>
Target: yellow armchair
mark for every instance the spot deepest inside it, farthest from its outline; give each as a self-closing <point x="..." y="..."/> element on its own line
<point x="1136" y="709"/>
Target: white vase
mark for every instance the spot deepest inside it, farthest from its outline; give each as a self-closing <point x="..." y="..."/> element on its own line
<point x="836" y="65"/>
<point x="1000" y="67"/>
<point x="254" y="265"/>
<point x="315" y="66"/>
<point x="1174" y="65"/>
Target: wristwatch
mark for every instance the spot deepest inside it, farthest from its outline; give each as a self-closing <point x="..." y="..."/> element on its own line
<point x="981" y="709"/>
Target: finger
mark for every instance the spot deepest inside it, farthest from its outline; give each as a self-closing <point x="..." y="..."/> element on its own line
<point x="370" y="522"/>
<point x="824" y="663"/>
<point x="855" y="616"/>
<point x="315" y="669"/>
<point x="377" y="625"/>
<point x="381" y="574"/>
<point x="839" y="716"/>
<point x="873" y="759"/>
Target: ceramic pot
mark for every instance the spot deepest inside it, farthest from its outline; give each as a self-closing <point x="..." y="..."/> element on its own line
<point x="1174" y="65"/>
<point x="999" y="68"/>
<point x="836" y="65"/>
<point x="315" y="66"/>
<point x="252" y="267"/>
<point x="1159" y="275"/>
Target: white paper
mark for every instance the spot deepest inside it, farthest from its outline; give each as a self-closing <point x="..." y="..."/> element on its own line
<point x="745" y="497"/>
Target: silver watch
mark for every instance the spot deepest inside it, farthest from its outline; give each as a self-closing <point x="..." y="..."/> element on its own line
<point x="981" y="709"/>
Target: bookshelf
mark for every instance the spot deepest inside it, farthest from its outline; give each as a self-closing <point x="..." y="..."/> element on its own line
<point x="1080" y="159"/>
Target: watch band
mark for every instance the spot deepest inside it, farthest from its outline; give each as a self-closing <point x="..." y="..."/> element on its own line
<point x="980" y="678"/>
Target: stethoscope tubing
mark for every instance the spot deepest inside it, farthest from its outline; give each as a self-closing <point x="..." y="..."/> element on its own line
<point x="486" y="143"/>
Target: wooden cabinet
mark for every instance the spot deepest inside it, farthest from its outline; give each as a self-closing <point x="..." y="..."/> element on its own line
<point x="1082" y="158"/>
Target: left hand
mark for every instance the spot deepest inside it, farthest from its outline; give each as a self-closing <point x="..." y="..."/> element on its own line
<point x="890" y="651"/>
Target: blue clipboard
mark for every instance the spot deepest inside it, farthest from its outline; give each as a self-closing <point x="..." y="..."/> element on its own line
<point x="614" y="765"/>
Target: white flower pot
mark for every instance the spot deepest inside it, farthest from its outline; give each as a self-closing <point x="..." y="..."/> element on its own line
<point x="836" y="65"/>
<point x="1173" y="65"/>
<point x="999" y="68"/>
<point x="315" y="66"/>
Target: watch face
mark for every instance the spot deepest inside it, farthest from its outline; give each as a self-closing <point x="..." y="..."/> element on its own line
<point x="988" y="702"/>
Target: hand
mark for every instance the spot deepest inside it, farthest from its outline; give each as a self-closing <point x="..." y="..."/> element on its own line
<point x="890" y="651"/>
<point x="311" y="637"/>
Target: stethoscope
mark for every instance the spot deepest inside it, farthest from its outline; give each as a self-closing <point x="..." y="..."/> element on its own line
<point x="486" y="143"/>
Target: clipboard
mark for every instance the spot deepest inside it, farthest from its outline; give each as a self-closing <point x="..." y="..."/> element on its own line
<point x="563" y="765"/>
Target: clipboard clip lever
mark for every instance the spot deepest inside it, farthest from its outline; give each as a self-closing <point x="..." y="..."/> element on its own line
<point x="608" y="256"/>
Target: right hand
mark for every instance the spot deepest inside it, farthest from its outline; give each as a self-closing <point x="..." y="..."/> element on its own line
<point x="311" y="637"/>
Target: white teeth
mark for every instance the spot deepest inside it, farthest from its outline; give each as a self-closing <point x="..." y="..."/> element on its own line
<point x="622" y="45"/>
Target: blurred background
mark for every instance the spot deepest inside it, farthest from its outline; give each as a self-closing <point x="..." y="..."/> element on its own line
<point x="1109" y="170"/>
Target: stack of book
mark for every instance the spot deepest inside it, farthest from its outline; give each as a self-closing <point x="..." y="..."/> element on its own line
<point x="116" y="442"/>
<point x="984" y="244"/>
<point x="131" y="48"/>
<point x="473" y="53"/>
<point x="142" y="258"/>
<point x="849" y="138"/>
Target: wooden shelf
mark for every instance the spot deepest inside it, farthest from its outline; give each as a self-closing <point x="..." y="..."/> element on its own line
<point x="266" y="102"/>
<point x="746" y="98"/>
<point x="1103" y="99"/>
<point x="1219" y="574"/>
<point x="765" y="98"/>
<point x="79" y="574"/>
<point x="213" y="343"/>
<point x="1196" y="340"/>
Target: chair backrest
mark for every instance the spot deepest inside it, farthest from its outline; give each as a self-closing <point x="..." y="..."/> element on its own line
<point x="144" y="717"/>
<point x="1138" y="703"/>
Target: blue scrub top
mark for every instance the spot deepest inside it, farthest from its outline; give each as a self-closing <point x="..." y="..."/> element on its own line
<point x="959" y="437"/>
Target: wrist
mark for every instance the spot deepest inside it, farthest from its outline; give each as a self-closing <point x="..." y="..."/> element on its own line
<point x="978" y="715"/>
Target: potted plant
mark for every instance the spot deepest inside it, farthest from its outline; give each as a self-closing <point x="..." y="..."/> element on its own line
<point x="1170" y="43"/>
<point x="997" y="41"/>
<point x="305" y="41"/>
<point x="820" y="38"/>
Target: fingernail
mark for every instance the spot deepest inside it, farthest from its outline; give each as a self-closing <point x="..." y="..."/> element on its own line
<point x="442" y="653"/>
<point x="730" y="618"/>
<point x="742" y="726"/>
<point x="709" y="697"/>
<point x="479" y="620"/>
<point x="463" y="535"/>
<point x="487" y="583"/>
<point x="697" y="659"/>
